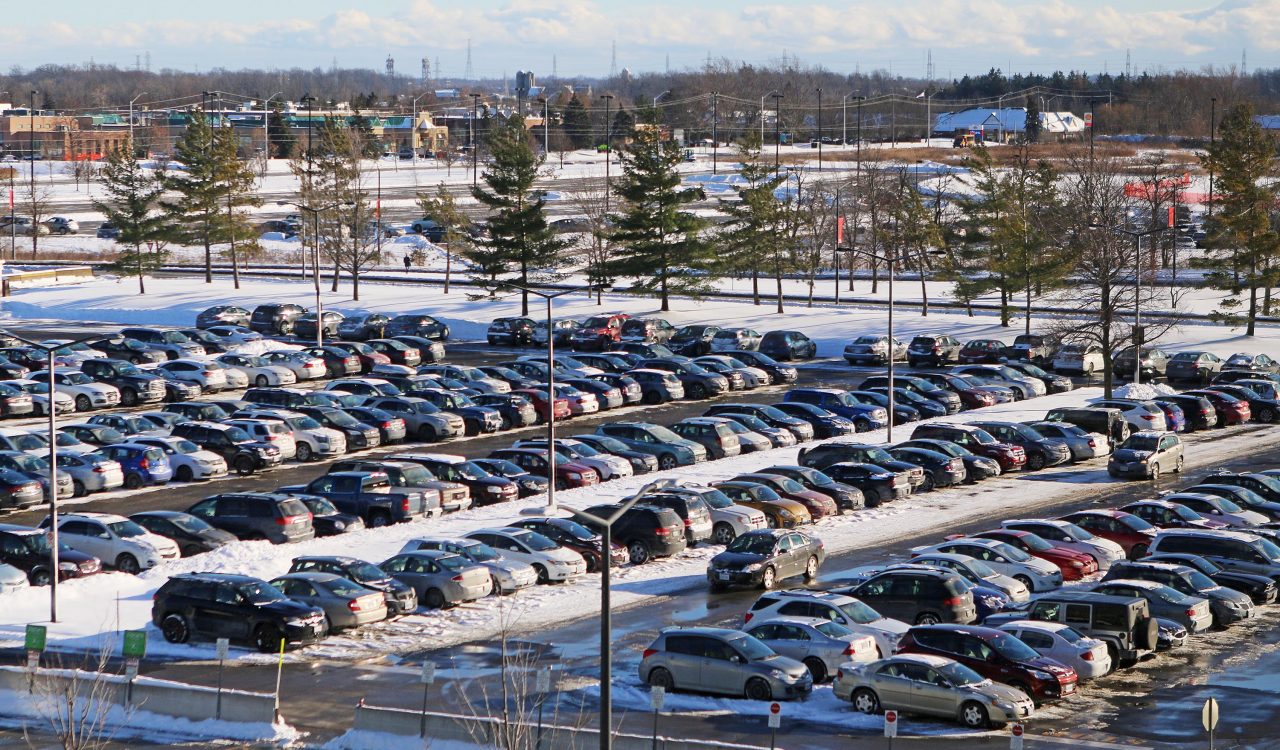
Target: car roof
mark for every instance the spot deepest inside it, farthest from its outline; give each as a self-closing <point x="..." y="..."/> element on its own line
<point x="1239" y="536"/>
<point x="701" y="630"/>
<point x="790" y="620"/>
<point x="340" y="559"/>
<point x="94" y="515"/>
<point x="1167" y="566"/>
<point x="1137" y="583"/>
<point x="928" y="660"/>
<point x="311" y="575"/>
<point x="1053" y="627"/>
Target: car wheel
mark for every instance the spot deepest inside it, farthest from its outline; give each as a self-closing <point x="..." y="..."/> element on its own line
<point x="1177" y="468"/>
<point x="243" y="465"/>
<point x="697" y="391"/>
<point x="865" y="701"/>
<point x="913" y="364"/>
<point x="770" y="521"/>
<point x="128" y="397"/>
<point x="666" y="461"/>
<point x="927" y="618"/>
<point x="639" y="552"/>
<point x="928" y="484"/>
<point x="541" y="570"/>
<point x="769" y="579"/>
<point x="811" y="569"/>
<point x="40" y="577"/>
<point x="758" y="689"/>
<point x="133" y="481"/>
<point x="1138" y="551"/>
<point x="434" y="599"/>
<point x="379" y="520"/>
<point x="304" y="453"/>
<point x="183" y="474"/>
<point x="816" y="668"/>
<point x="427" y="434"/>
<point x="659" y="677"/>
<point x="260" y="381"/>
<point x="974" y="715"/>
<point x="127" y="563"/>
<point x="77" y="488"/>
<point x="861" y="425"/>
<point x="83" y="403"/>
<point x="471" y="428"/>
<point x="285" y="329"/>
<point x="1155" y="472"/>
<point x="267" y="639"/>
<point x="1035" y="462"/>
<point x="174" y="628"/>
<point x="1025" y="581"/>
<point x="723" y="533"/>
<point x="652" y="398"/>
<point x="495" y="589"/>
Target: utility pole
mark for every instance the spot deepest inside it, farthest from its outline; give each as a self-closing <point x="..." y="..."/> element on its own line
<point x="1213" y="115"/>
<point x="715" y="138"/>
<point x="819" y="129"/>
<point x="777" y="128"/>
<point x="309" y="100"/>
<point x="608" y="153"/>
<point x="475" y="129"/>
<point x="31" y="145"/>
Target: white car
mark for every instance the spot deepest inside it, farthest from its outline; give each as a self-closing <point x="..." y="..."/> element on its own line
<point x="271" y="431"/>
<point x="1085" y="359"/>
<point x="1059" y="641"/>
<point x="1072" y="537"/>
<point x="235" y="334"/>
<point x="1036" y="574"/>
<point x="1142" y="416"/>
<point x="73" y="351"/>
<point x="72" y="444"/>
<point x="362" y="387"/>
<point x="580" y="402"/>
<point x="472" y="375"/>
<point x="258" y="370"/>
<point x="210" y="376"/>
<point x="13" y="439"/>
<point x="303" y="365"/>
<point x="190" y="462"/>
<point x="115" y="540"/>
<point x="87" y="392"/>
<point x="509" y="575"/>
<point x="64" y="403"/>
<point x="313" y="439"/>
<point x="90" y="472"/>
<point x="728" y="519"/>
<point x="551" y="561"/>
<point x="607" y="465"/>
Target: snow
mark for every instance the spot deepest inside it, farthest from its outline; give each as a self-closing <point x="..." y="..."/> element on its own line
<point x="362" y="739"/>
<point x="1143" y="391"/>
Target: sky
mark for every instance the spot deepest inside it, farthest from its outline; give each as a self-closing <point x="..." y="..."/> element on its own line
<point x="575" y="37"/>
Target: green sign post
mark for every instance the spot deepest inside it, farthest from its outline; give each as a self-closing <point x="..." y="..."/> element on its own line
<point x="135" y="644"/>
<point x="36" y="637"/>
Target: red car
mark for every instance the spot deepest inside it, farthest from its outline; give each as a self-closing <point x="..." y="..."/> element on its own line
<point x="1074" y="565"/>
<point x="1231" y="410"/>
<point x="599" y="332"/>
<point x="820" y="505"/>
<point x="366" y="355"/>
<point x="1125" y="529"/>
<point x="569" y="474"/>
<point x="538" y="397"/>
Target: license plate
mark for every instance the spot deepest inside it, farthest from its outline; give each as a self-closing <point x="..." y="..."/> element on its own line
<point x="1068" y="689"/>
<point x="724" y="575"/>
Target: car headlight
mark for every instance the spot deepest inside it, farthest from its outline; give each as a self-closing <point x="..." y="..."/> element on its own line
<point x="785" y="514"/>
<point x="339" y="525"/>
<point x="777" y="674"/>
<point x="1006" y="707"/>
<point x="575" y="475"/>
<point x="296" y="622"/>
<point x="1039" y="675"/>
<point x="753" y="567"/>
<point x="67" y="567"/>
<point x="560" y="563"/>
<point x="322" y="439"/>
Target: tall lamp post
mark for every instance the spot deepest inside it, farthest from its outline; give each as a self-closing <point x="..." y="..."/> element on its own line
<point x="606" y="621"/>
<point x="656" y="99"/>
<point x="308" y="100"/>
<point x="546" y="126"/>
<point x="777" y="127"/>
<point x="766" y="96"/>
<point x="475" y="139"/>
<point x="1137" y="235"/>
<point x="551" y="508"/>
<point x="52" y="435"/>
<point x="131" y="101"/>
<point x="608" y="148"/>
<point x="31" y="163"/>
<point x="266" y="123"/>
<point x="819" y="129"/>
<point x="315" y="257"/>
<point x="413" y="130"/>
<point x="889" y="261"/>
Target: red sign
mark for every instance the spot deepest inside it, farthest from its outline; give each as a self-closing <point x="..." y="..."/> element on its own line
<point x="1088" y="119"/>
<point x="1017" y="730"/>
<point x="775" y="708"/>
<point x="840" y="231"/>
<point x="890" y="716"/>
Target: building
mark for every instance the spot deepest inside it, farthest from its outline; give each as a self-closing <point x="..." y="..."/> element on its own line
<point x="62" y="137"/>
<point x="1006" y="124"/>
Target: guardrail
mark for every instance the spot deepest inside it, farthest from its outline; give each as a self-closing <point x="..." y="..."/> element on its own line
<point x="23" y="279"/>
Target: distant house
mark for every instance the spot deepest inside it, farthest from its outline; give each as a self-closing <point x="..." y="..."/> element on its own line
<point x="1005" y="123"/>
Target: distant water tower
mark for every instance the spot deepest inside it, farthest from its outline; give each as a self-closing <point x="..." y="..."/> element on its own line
<point x="391" y="67"/>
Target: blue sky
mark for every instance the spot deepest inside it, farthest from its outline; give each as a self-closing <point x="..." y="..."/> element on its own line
<point x="965" y="36"/>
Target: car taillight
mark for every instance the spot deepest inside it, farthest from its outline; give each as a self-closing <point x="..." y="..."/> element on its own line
<point x="1087" y="655"/>
<point x="747" y="617"/>
<point x="1093" y="443"/>
<point x="272" y="438"/>
<point x="144" y="464"/>
<point x="1149" y="417"/>
<point x="404" y="504"/>
<point x="387" y="425"/>
<point x="100" y="469"/>
<point x="649" y="652"/>
<point x="688" y="522"/>
<point x="954" y="601"/>
<point x="354" y="605"/>
<point x="208" y="373"/>
<point x="894" y="481"/>
<point x="284" y="520"/>
<point x="1192" y="612"/>
<point x="661" y="531"/>
<point x="458" y="578"/>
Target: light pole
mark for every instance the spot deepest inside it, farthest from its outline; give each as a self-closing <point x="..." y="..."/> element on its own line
<point x="475" y="139"/>
<point x="766" y="96"/>
<point x="309" y="100"/>
<point x="777" y="127"/>
<point x="889" y="261"/>
<point x="315" y="258"/>
<point x="608" y="148"/>
<point x="53" y="465"/>
<point x="413" y="130"/>
<point x="1213" y="115"/>
<point x="928" y="115"/>
<point x="715" y="136"/>
<point x="31" y="162"/>
<point x="606" y="620"/>
<point x="1137" y="236"/>
<point x="131" y="101"/>
<point x="819" y="129"/>
<point x="551" y="509"/>
<point x="266" y="123"/>
<point x="656" y="119"/>
<point x="546" y="126"/>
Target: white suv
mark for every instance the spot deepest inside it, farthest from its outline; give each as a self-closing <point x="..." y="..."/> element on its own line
<point x="728" y="519"/>
<point x="607" y="465"/>
<point x="115" y="540"/>
<point x="840" y="608"/>
<point x="271" y="431"/>
<point x="87" y="392"/>
<point x="313" y="439"/>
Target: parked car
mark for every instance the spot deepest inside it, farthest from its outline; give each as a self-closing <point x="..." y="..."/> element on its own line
<point x="761" y="558"/>
<point x="192" y="534"/>
<point x="143" y="465"/>
<point x="1144" y="453"/>
<point x="1227" y="605"/>
<point x="873" y="349"/>
<point x="1195" y="366"/>
<point x="933" y="349"/>
<point x="1083" y="445"/>
<point x="693" y="340"/>
<point x="1153" y="363"/>
<point x="1053" y="383"/>
<point x="1070" y="536"/>
<point x="1230" y="410"/>
<point x="550" y="562"/>
<point x="787" y="345"/>
<point x="275" y="318"/>
<point x="1124" y="623"/>
<point x="996" y="655"/>
<point x="731" y="340"/>
<point x="1010" y="456"/>
<point x="346" y="604"/>
<point x="1034" y="348"/>
<point x="820" y="644"/>
<point x="572" y="535"/>
<point x="1065" y="645"/>
<point x="207" y="606"/>
<point x="670" y="449"/>
<point x="116" y="540"/>
<point x="1041" y="452"/>
<point x="508" y="575"/>
<point x="1036" y="574"/>
<point x="718" y="660"/>
<point x="1078" y="358"/>
<point x="923" y="596"/>
<point x="1132" y="533"/>
<point x="983" y="352"/>
<point x="29" y="550"/>
<point x="90" y="472"/>
<point x="1191" y="612"/>
<point x="362" y="327"/>
<point x="400" y="598"/>
<point x="1256" y="362"/>
<point x="305" y="325"/>
<point x="277" y="518"/>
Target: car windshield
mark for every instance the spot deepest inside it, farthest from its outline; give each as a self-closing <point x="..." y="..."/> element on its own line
<point x="859" y="613"/>
<point x="663" y="434"/>
<point x="752" y="648"/>
<point x="28" y="442"/>
<point x="863" y="397"/>
<point x="575" y="529"/>
<point x="1223" y="503"/>
<point x="363" y="572"/>
<point x="1200" y="581"/>
<point x="319" y="506"/>
<point x="345" y="588"/>
<point x="879" y="456"/>
<point x="76" y="378"/>
<point x="28" y="463"/>
<point x="503" y="467"/>
<point x="1036" y="543"/>
<point x="1076" y="533"/>
<point x="342" y="419"/>
<point x="536" y="541"/>
<point x="66" y="440"/>
<point x="481" y="552"/>
<point x="415" y="476"/>
<point x="867" y="340"/>
<point x="126" y="529"/>
<point x="469" y="470"/>
<point x="1185" y="513"/>
<point x="261" y="593"/>
<point x="1269" y="549"/>
<point x="981" y="569"/>
<point x="1165" y="594"/>
<point x="173" y="337"/>
<point x="1141" y="443"/>
<point x="237" y="435"/>
<point x="452" y="563"/>
<point x="959" y="674"/>
<point x="833" y="629"/>
<point x="1032" y="370"/>
<point x="789" y="484"/>
<point x="1012" y="552"/>
<point x="189" y="524"/>
<point x="715" y="498"/>
<point x="1135" y="523"/>
<point x="752" y="544"/>
<point x="1012" y="648"/>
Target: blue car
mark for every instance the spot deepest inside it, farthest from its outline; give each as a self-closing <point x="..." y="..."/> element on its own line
<point x="144" y="465"/>
<point x="864" y="416"/>
<point x="926" y="406"/>
<point x="1175" y="418"/>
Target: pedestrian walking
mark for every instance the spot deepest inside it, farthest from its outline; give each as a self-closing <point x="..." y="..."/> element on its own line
<point x="408" y="261"/>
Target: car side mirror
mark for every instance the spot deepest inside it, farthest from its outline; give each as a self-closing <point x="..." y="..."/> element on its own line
<point x="735" y="659"/>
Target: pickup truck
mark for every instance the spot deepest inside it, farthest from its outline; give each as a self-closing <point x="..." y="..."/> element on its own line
<point x="369" y="495"/>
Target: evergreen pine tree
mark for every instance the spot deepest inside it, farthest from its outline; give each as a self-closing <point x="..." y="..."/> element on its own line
<point x="281" y="139"/>
<point x="194" y="213"/>
<point x="577" y="123"/>
<point x="755" y="217"/>
<point x="132" y="204"/>
<point x="1032" y="126"/>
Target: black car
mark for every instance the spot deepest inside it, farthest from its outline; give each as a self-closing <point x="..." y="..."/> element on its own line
<point x="274" y="517"/>
<point x="788" y="345"/>
<point x="275" y="319"/>
<point x="779" y="373"/>
<point x="572" y="535"/>
<point x="338" y="362"/>
<point x="510" y="332"/>
<point x="919" y="386"/>
<point x="515" y="410"/>
<point x="223" y="315"/>
<point x="429" y="352"/>
<point x="418" y="325"/>
<point x="192" y="535"/>
<point x="211" y="343"/>
<point x="1264" y="484"/>
<point x="1041" y="451"/>
<point x="825" y="424"/>
<point x="763" y="557"/>
<point x="768" y="414"/>
<point x="486" y="488"/>
<point x="878" y="485"/>
<point x="510" y="377"/>
<point x="976" y="467"/>
<point x="20" y="361"/>
<point x="822" y="456"/>
<point x="401" y="598"/>
<point x="130" y="350"/>
<point x="902" y="413"/>
<point x="363" y="327"/>
<point x="1052" y="383"/>
<point x="28" y="550"/>
<point x="136" y="386"/>
<point x="933" y="349"/>
<point x="242" y="453"/>
<point x="207" y="606"/>
<point x="391" y="429"/>
<point x="927" y="407"/>
<point x="1261" y="589"/>
<point x="304" y="326"/>
<point x="360" y="436"/>
<point x="528" y="484"/>
<point x="641" y="462"/>
<point x="1242" y="496"/>
<point x="693" y="340"/>
<point x="326" y="519"/>
<point x="647" y="531"/>
<point x="847" y="496"/>
<point x="940" y="469"/>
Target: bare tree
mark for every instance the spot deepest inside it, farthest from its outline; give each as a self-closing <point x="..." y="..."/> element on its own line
<point x="77" y="705"/>
<point x="597" y="242"/>
<point x="36" y="199"/>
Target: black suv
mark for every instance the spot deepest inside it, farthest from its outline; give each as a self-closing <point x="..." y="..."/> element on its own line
<point x="787" y="345"/>
<point x="208" y="606"/>
<point x="275" y="318"/>
<point x="917" y="594"/>
<point x="136" y="386"/>
<point x="693" y="512"/>
<point x="1226" y="604"/>
<point x="936" y="350"/>
<point x="510" y="331"/>
<point x="647" y="531"/>
<point x="27" y="549"/>
<point x="401" y="598"/>
<point x="242" y="452"/>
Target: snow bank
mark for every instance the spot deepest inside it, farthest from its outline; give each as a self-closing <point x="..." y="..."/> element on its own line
<point x="1143" y="391"/>
<point x="361" y="739"/>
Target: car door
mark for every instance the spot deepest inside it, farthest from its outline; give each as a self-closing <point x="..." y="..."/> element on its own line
<point x="931" y="692"/>
<point x="1043" y="643"/>
<point x="722" y="670"/>
<point x="683" y="657"/>
<point x="233" y="515"/>
<point x="76" y="535"/>
<point x="98" y="541"/>
<point x="893" y="686"/>
<point x="222" y="615"/>
<point x="878" y="593"/>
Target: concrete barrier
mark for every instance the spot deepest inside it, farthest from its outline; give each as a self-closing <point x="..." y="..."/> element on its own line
<point x="479" y="731"/>
<point x="24" y="279"/>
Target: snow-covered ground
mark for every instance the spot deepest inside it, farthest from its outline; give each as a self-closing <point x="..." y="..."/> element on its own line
<point x="98" y="607"/>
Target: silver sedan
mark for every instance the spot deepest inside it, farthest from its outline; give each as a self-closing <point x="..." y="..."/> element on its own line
<point x="441" y="579"/>
<point x="1084" y="445"/>
<point x="818" y="643"/>
<point x="346" y="604"/>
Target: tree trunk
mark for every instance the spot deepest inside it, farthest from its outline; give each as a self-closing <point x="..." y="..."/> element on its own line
<point x="924" y="291"/>
<point x="448" y="266"/>
<point x="137" y="253"/>
<point x="777" y="277"/>
<point x="208" y="254"/>
<point x="1253" y="310"/>
<point x="755" y="286"/>
<point x="337" y="270"/>
<point x="355" y="281"/>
